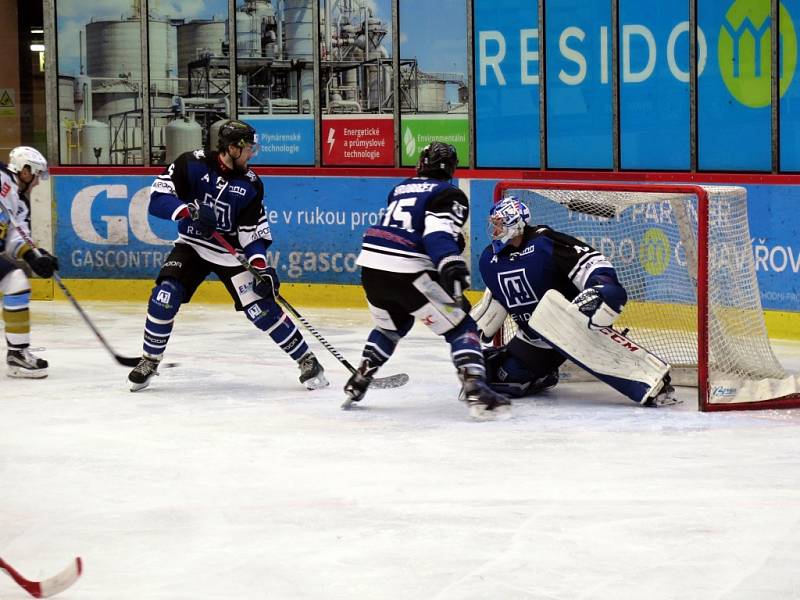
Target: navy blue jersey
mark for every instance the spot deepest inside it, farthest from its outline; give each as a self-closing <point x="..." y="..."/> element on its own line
<point x="546" y="259"/>
<point x="422" y="224"/>
<point x="237" y="199"/>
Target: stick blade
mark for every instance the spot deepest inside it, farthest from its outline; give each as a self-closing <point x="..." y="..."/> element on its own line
<point x="60" y="582"/>
<point x="392" y="381"/>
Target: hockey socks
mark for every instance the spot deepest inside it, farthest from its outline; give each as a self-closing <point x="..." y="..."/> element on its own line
<point x="380" y="346"/>
<point x="465" y="347"/>
<point x="268" y="317"/>
<point x="17" y="319"/>
<point x="165" y="300"/>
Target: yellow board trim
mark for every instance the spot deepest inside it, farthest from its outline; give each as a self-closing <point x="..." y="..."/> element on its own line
<point x="780" y="324"/>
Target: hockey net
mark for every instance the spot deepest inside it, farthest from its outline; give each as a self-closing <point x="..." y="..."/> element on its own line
<point x="683" y="253"/>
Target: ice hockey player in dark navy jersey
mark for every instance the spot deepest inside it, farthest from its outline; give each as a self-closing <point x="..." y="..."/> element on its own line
<point x="411" y="267"/>
<point x="204" y="193"/>
<point x="523" y="263"/>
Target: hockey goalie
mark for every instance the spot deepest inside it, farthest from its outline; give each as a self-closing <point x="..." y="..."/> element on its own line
<point x="563" y="297"/>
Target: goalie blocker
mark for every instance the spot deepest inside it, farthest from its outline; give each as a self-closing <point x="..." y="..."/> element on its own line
<point x="605" y="353"/>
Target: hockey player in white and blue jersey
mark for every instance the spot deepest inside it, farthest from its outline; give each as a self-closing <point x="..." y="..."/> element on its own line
<point x="411" y="267"/>
<point x="26" y="167"/>
<point x="526" y="264"/>
<point x="204" y="193"/>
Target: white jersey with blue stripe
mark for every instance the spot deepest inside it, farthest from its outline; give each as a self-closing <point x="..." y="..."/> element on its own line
<point x="11" y="243"/>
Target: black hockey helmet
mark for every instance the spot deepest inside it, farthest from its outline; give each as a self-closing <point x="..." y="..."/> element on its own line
<point x="438" y="160"/>
<point x="237" y="133"/>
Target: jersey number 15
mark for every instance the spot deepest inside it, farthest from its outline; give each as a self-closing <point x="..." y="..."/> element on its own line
<point x="399" y="214"/>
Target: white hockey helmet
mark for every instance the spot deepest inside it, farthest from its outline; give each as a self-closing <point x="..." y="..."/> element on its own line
<point x="507" y="220"/>
<point x="23" y="156"/>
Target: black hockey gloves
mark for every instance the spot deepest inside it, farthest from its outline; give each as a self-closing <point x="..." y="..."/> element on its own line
<point x="43" y="265"/>
<point x="453" y="269"/>
<point x="269" y="284"/>
<point x="203" y="219"/>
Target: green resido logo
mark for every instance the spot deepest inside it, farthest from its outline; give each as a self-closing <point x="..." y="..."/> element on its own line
<point x="744" y="51"/>
<point x="654" y="251"/>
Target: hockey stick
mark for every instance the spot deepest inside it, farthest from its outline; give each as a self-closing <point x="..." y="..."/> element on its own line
<point x="127" y="361"/>
<point x="47" y="587"/>
<point x="392" y="381"/>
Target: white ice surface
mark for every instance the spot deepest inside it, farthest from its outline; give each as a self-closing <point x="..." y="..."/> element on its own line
<point x="227" y="479"/>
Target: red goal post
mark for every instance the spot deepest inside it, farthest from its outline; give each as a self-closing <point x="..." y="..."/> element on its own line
<point x="689" y="271"/>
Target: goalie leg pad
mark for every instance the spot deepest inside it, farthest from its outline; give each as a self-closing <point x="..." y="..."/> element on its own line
<point x="605" y="353"/>
<point x="511" y="376"/>
<point x="489" y="314"/>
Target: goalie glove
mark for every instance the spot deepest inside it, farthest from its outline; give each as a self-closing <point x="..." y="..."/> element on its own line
<point x="590" y="302"/>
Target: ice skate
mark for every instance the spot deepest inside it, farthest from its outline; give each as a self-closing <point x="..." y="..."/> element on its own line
<point x="355" y="388"/>
<point x="663" y="395"/>
<point x="312" y="375"/>
<point x="24" y="365"/>
<point x="142" y="373"/>
<point x="484" y="403"/>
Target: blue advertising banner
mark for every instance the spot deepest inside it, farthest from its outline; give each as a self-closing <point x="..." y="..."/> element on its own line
<point x="283" y="139"/>
<point x="578" y="84"/>
<point x="506" y="83"/>
<point x="789" y="87"/>
<point x="734" y="118"/>
<point x="654" y="85"/>
<point x="104" y="229"/>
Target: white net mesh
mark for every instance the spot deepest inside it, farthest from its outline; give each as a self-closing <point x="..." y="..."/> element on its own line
<point x="652" y="240"/>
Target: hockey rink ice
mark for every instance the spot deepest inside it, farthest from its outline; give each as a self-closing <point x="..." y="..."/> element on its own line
<point x="226" y="479"/>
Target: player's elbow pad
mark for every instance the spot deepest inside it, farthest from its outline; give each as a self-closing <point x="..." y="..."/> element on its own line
<point x="489" y="314"/>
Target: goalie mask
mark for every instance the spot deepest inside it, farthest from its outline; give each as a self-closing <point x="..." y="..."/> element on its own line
<point x="507" y="220"/>
<point x="25" y="156"/>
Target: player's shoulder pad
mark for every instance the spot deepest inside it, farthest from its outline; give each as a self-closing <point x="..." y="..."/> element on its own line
<point x="198" y="154"/>
<point x="560" y="237"/>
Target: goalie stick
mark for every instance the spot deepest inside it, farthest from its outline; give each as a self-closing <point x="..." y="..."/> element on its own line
<point x="392" y="381"/>
<point x="126" y="361"/>
<point x="47" y="587"/>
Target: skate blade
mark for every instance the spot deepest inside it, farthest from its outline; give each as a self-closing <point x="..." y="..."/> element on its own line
<point x="20" y="373"/>
<point x="316" y="383"/>
<point x="350" y="404"/>
<point x="479" y="413"/>
<point x="137" y="387"/>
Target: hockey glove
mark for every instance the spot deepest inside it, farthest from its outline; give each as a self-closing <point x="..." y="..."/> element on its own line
<point x="590" y="302"/>
<point x="269" y="284"/>
<point x="453" y="269"/>
<point x="43" y="265"/>
<point x="203" y="218"/>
